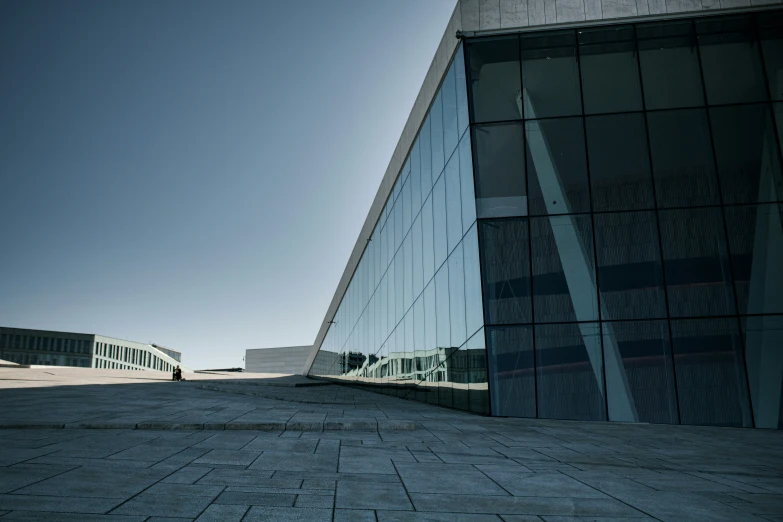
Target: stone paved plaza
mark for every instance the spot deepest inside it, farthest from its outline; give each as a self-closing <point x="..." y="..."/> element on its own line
<point x="267" y="448"/>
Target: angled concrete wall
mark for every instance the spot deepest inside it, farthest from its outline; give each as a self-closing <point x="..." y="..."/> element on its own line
<point x="288" y="360"/>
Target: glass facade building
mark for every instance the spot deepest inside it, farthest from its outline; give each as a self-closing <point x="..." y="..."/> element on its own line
<point x="589" y="225"/>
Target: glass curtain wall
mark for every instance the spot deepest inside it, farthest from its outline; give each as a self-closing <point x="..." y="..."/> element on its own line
<point x="628" y="187"/>
<point x="411" y="321"/>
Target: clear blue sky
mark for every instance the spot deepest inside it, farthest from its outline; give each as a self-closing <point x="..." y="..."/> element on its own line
<point x="195" y="173"/>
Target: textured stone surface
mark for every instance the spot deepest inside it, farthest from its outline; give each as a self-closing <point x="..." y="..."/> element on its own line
<point x="452" y="466"/>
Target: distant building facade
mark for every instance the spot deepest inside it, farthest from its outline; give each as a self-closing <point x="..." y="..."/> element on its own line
<point x="286" y="360"/>
<point x="41" y="347"/>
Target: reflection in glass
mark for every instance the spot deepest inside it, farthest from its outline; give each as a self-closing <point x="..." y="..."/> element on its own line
<point x="755" y="235"/>
<point x="620" y="176"/>
<point x="550" y="75"/>
<point x="440" y="222"/>
<point x="670" y="65"/>
<point x="747" y="153"/>
<point x="630" y="280"/>
<point x="436" y="136"/>
<point x="639" y="375"/>
<point x="511" y="364"/>
<point x="696" y="263"/>
<point x="500" y="170"/>
<point x="493" y="79"/>
<point x="467" y="194"/>
<point x="505" y="262"/>
<point x="569" y="371"/>
<point x="457" y="297"/>
<point x="683" y="164"/>
<point x="442" y="307"/>
<point x="425" y="154"/>
<point x="763" y="337"/>
<point x="557" y="170"/>
<point x="474" y="311"/>
<point x="453" y="203"/>
<point x="563" y="269"/>
<point x="448" y="90"/>
<point x="462" y="91"/>
<point x="428" y="240"/>
<point x="730" y="60"/>
<point x="610" y="74"/>
<point x="710" y="372"/>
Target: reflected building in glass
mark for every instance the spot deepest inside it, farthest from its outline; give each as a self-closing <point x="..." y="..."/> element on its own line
<point x="581" y="222"/>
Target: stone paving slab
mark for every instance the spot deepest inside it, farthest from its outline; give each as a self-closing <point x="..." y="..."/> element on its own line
<point x="452" y="466"/>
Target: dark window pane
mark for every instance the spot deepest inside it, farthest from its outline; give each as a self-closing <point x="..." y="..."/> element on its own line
<point x="505" y="261"/>
<point x="639" y="375"/>
<point x="763" y="341"/>
<point x="771" y="32"/>
<point x="500" y="166"/>
<point x="550" y="75"/>
<point x="696" y="263"/>
<point x="630" y="280"/>
<point x="747" y="153"/>
<point x="683" y="165"/>
<point x="670" y="65"/>
<point x="439" y="217"/>
<point x="610" y="74"/>
<point x="710" y="372"/>
<point x="442" y="306"/>
<point x="619" y="162"/>
<point x="730" y="60"/>
<point x="557" y="167"/>
<point x="513" y="389"/>
<point x="474" y="312"/>
<point x="563" y="269"/>
<point x="493" y="74"/>
<point x="462" y="91"/>
<point x="569" y="372"/>
<point x="756" y="247"/>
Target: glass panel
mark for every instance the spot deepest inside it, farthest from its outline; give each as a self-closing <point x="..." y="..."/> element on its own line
<point x="630" y="280"/>
<point x="670" y="65"/>
<point x="569" y="372"/>
<point x="467" y="194"/>
<point x="415" y="180"/>
<point x="763" y="341"/>
<point x="462" y="91"/>
<point x="442" y="307"/>
<point x="436" y="136"/>
<point x="397" y="219"/>
<point x="500" y="170"/>
<point x="696" y="264"/>
<point x="493" y="71"/>
<point x="747" y="153"/>
<point x="425" y="153"/>
<point x="457" y="297"/>
<point x="505" y="261"/>
<point x="550" y="75"/>
<point x="731" y="61"/>
<point x="683" y="165"/>
<point x="756" y="246"/>
<point x="771" y="33"/>
<point x="610" y="74"/>
<point x="619" y="162"/>
<point x="453" y="203"/>
<point x="708" y="363"/>
<point x="448" y="90"/>
<point x="418" y="273"/>
<point x="430" y="320"/>
<point x="390" y="291"/>
<point x="428" y="240"/>
<point x="563" y="269"/>
<point x="557" y="167"/>
<point x="419" y="343"/>
<point x="474" y="312"/>
<point x="406" y="207"/>
<point x="407" y="286"/>
<point x="511" y="364"/>
<point x="439" y="217"/>
<point x="639" y="375"/>
<point x="399" y="283"/>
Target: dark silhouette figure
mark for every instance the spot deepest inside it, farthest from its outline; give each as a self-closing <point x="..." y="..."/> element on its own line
<point x="178" y="373"/>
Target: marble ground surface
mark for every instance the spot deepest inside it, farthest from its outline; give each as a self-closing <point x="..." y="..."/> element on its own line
<point x="90" y="445"/>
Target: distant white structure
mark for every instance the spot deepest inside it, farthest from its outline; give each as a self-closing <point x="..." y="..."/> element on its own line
<point x="287" y="359"/>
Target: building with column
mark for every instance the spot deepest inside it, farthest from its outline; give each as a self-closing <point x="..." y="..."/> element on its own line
<point x="582" y="220"/>
<point x="41" y="347"/>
